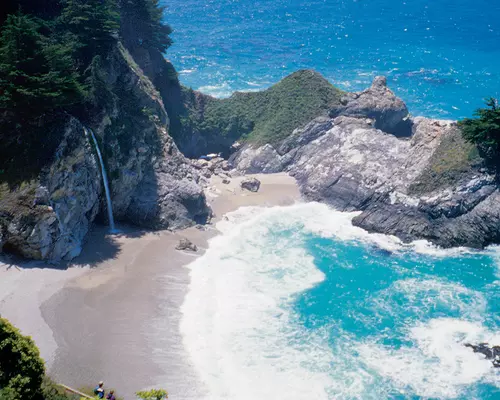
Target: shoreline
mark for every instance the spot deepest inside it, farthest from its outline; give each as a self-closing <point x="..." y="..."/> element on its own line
<point x="114" y="314"/>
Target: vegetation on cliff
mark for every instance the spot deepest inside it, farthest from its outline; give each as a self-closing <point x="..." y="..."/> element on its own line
<point x="477" y="141"/>
<point x="484" y="130"/>
<point x="262" y="117"/>
<point x="453" y="159"/>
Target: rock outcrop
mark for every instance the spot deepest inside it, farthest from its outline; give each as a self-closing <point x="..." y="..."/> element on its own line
<point x="380" y="104"/>
<point x="490" y="352"/>
<point x="153" y="185"/>
<point x="426" y="185"/>
<point x="186" y="245"/>
<point x="50" y="218"/>
<point x="250" y="184"/>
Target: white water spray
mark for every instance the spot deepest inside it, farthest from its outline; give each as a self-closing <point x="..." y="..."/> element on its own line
<point x="104" y="179"/>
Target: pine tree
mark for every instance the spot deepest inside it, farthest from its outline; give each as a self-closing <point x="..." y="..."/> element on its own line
<point x="484" y="130"/>
<point x="36" y="74"/>
<point x="143" y="26"/>
<point x="95" y="24"/>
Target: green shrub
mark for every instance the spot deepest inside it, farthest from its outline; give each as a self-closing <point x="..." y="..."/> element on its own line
<point x="153" y="394"/>
<point x="52" y="391"/>
<point x="21" y="368"/>
<point x="484" y="129"/>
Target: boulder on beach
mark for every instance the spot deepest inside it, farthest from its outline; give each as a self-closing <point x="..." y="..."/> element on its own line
<point x="251" y="184"/>
<point x="186" y="244"/>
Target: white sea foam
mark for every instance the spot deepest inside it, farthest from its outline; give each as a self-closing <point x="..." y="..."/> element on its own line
<point x="222" y="90"/>
<point x="438" y="365"/>
<point x="246" y="342"/>
<point x="236" y="320"/>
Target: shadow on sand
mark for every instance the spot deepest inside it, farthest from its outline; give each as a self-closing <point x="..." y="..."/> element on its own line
<point x="99" y="246"/>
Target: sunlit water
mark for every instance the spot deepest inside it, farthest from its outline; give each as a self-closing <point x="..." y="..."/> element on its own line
<point x="296" y="303"/>
<point x="440" y="56"/>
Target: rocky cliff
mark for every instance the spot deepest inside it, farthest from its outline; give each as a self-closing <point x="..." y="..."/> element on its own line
<point x="415" y="178"/>
<point x="47" y="214"/>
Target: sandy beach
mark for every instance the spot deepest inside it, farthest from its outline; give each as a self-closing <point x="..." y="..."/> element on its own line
<point x="114" y="312"/>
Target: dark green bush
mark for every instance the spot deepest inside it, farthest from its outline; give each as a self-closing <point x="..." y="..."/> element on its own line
<point x="21" y="368"/>
<point x="484" y="130"/>
<point x="36" y="73"/>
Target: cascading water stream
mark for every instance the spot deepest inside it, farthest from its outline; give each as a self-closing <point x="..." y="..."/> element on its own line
<point x="105" y="181"/>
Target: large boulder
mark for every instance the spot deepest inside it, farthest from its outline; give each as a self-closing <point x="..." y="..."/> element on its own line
<point x="251" y="184"/>
<point x="186" y="245"/>
<point x="379" y="103"/>
<point x="254" y="160"/>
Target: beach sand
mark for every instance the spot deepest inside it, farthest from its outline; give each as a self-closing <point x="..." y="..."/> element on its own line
<point x="114" y="313"/>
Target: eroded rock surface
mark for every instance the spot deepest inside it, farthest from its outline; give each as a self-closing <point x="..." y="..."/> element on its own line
<point x="50" y="218"/>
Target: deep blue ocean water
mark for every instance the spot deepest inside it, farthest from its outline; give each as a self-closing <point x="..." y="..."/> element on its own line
<point x="295" y="303"/>
<point x="442" y="56"/>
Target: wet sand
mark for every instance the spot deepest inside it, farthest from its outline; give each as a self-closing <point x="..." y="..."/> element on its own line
<point x="114" y="313"/>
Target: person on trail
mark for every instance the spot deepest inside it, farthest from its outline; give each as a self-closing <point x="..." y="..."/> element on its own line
<point x="111" y="395"/>
<point x="99" y="390"/>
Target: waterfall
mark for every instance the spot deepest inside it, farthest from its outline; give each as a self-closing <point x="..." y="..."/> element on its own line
<point x="104" y="180"/>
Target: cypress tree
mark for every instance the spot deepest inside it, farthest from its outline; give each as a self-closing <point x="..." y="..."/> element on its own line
<point x="143" y="25"/>
<point x="94" y="23"/>
<point x="484" y="130"/>
<point x="36" y="74"/>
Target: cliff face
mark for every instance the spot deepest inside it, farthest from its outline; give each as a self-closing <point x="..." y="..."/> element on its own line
<point x="48" y="217"/>
<point x="152" y="184"/>
<point x="413" y="178"/>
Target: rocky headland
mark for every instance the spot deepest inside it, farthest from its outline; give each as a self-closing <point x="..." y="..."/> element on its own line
<point x="415" y="178"/>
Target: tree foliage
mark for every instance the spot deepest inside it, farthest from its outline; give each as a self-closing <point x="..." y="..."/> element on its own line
<point x="36" y="73"/>
<point x="143" y="25"/>
<point x="94" y="23"/>
<point x="484" y="129"/>
<point x="21" y="368"/>
<point x="153" y="394"/>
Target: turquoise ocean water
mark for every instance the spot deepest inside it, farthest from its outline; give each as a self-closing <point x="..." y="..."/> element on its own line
<point x="296" y="303"/>
<point x="440" y="56"/>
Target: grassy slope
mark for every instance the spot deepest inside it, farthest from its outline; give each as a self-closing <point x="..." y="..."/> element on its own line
<point x="453" y="159"/>
<point x="262" y="117"/>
